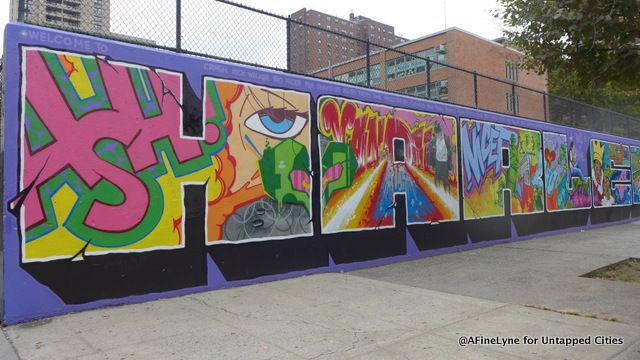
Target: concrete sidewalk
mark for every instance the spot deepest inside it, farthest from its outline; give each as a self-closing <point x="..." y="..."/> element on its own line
<point x="412" y="310"/>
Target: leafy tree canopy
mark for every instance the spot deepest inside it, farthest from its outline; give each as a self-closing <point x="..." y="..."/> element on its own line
<point x="592" y="38"/>
<point x="589" y="48"/>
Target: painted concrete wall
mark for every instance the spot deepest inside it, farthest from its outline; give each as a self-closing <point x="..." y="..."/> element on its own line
<point x="132" y="174"/>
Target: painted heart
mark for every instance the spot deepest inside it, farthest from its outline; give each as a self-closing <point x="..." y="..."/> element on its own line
<point x="549" y="155"/>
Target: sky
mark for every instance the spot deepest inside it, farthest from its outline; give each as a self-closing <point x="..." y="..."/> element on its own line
<point x="4" y="18"/>
<point x="411" y="19"/>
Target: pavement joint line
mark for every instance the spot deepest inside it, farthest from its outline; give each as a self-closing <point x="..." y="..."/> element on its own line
<point x="416" y="290"/>
<point x="578" y="316"/>
<point x="507" y="305"/>
<point x="252" y="333"/>
<point x="468" y="317"/>
<point x="625" y="348"/>
<point x="13" y="347"/>
<point x="488" y="348"/>
<point x="510" y="246"/>
<point x="504" y="305"/>
<point x="299" y="320"/>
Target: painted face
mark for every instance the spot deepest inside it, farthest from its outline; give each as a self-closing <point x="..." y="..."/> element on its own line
<point x="262" y="120"/>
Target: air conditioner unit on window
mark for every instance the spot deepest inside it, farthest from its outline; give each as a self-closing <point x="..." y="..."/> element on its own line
<point x="444" y="90"/>
<point x="441" y="49"/>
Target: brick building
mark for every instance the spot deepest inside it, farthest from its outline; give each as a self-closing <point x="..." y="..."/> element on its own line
<point x="312" y="49"/>
<point x="393" y="71"/>
<point x="332" y="56"/>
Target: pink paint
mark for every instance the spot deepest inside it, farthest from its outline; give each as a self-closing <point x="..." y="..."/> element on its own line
<point x="331" y="174"/>
<point x="300" y="180"/>
<point x="75" y="140"/>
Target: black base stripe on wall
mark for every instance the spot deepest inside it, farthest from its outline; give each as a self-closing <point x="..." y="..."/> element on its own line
<point x="118" y="275"/>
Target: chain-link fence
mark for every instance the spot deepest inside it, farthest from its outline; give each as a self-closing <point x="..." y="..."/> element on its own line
<point x="330" y="49"/>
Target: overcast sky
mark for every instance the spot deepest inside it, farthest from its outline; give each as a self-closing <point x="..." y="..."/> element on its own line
<point x="411" y="19"/>
<point x="4" y="18"/>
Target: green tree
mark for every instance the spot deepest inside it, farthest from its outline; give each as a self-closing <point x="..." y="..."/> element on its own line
<point x="589" y="48"/>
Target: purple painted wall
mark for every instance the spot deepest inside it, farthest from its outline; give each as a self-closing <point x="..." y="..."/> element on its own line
<point x="132" y="174"/>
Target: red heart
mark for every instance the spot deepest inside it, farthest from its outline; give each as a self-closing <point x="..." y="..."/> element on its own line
<point x="549" y="155"/>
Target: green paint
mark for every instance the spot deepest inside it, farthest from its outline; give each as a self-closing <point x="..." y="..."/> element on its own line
<point x="38" y="136"/>
<point x="276" y="166"/>
<point x="79" y="107"/>
<point x="144" y="92"/>
<point x="339" y="153"/>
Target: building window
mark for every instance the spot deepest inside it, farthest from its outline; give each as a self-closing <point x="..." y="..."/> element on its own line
<point x="51" y="9"/>
<point x="513" y="102"/>
<point x="409" y="65"/>
<point x="71" y="22"/>
<point x="437" y="53"/>
<point x="419" y="91"/>
<point x="511" y="71"/>
<point x="359" y="77"/>
<point x="438" y="90"/>
<point x="52" y="18"/>
<point x="72" y="13"/>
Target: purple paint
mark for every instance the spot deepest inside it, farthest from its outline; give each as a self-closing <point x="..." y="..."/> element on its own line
<point x="24" y="298"/>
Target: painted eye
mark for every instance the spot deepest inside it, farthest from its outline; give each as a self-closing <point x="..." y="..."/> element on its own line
<point x="277" y="123"/>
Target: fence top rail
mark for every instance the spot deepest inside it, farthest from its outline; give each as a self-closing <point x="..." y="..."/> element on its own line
<point x="402" y="52"/>
<point x="379" y="48"/>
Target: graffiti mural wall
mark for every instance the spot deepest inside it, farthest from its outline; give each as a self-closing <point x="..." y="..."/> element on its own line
<point x="118" y="187"/>
<point x="370" y="152"/>
<point x="611" y="174"/>
<point x="635" y="176"/>
<point x="500" y="163"/>
<point x="566" y="187"/>
<point x="132" y="174"/>
<point x="264" y="171"/>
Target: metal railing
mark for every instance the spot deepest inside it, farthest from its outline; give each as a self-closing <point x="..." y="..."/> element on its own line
<point x="235" y="32"/>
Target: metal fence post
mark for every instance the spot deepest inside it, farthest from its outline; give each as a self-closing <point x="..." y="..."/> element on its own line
<point x="627" y="126"/>
<point x="289" y="42"/>
<point x="544" y="105"/>
<point x="513" y="98"/>
<point x="20" y="11"/>
<point x="475" y="88"/>
<point x="368" y="44"/>
<point x="179" y="24"/>
<point x="428" y="78"/>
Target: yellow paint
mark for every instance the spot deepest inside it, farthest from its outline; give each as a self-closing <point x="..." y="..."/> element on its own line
<point x="484" y="202"/>
<point x="62" y="243"/>
<point x="79" y="77"/>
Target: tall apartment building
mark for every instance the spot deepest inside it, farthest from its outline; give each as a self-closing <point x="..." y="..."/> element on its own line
<point x="312" y="49"/>
<point x="394" y="71"/>
<point x="75" y="15"/>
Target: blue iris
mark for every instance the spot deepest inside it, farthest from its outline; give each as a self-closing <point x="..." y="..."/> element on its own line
<point x="276" y="127"/>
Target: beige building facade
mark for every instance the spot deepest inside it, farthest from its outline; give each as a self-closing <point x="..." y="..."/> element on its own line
<point x="91" y="16"/>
